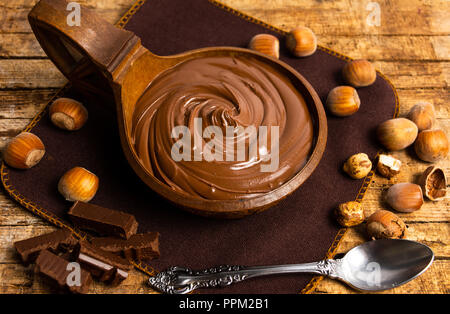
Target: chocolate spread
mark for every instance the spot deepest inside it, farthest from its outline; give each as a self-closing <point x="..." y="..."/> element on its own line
<point x="238" y="92"/>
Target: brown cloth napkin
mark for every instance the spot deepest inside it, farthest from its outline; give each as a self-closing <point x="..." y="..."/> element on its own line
<point x="299" y="229"/>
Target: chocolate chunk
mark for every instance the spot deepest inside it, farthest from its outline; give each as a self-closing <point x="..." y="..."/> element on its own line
<point x="60" y="240"/>
<point x="102" y="220"/>
<point x="105" y="266"/>
<point x="58" y="271"/>
<point x="143" y="247"/>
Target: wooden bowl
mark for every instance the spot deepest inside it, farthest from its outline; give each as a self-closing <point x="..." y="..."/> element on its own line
<point x="98" y="49"/>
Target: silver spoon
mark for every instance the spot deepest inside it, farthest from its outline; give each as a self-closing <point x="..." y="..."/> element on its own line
<point x="371" y="266"/>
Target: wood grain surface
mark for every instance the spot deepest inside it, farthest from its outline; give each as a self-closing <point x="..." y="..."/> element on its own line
<point x="410" y="46"/>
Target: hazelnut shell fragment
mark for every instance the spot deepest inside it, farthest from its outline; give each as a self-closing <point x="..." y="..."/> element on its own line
<point x="388" y="166"/>
<point x="384" y="224"/>
<point x="433" y="183"/>
<point x="350" y="214"/>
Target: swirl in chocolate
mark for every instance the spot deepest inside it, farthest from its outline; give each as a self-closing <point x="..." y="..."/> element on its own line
<point x="232" y="93"/>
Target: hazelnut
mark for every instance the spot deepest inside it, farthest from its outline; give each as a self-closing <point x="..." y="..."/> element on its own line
<point x="267" y="44"/>
<point x="301" y="42"/>
<point x="388" y="166"/>
<point x="405" y="197"/>
<point x="433" y="183"/>
<point x="359" y="73"/>
<point x="349" y="214"/>
<point x="343" y="101"/>
<point x="431" y="145"/>
<point x="78" y="184"/>
<point x="358" y="166"/>
<point x="24" y="151"/>
<point x="397" y="134"/>
<point x="68" y="114"/>
<point x="423" y="115"/>
<point x="384" y="224"/>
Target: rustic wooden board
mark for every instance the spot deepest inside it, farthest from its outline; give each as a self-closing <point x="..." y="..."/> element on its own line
<point x="411" y="47"/>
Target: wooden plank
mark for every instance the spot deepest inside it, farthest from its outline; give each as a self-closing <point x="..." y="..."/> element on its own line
<point x="350" y="17"/>
<point x="402" y="17"/>
<point x="21" y="74"/>
<point x="23" y="104"/>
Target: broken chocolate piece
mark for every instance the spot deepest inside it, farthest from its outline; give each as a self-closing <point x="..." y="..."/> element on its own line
<point x="60" y="240"/>
<point x="105" y="266"/>
<point x="103" y="220"/>
<point x="57" y="270"/>
<point x="143" y="247"/>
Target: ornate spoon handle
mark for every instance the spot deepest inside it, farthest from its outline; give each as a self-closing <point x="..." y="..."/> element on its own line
<point x="179" y="280"/>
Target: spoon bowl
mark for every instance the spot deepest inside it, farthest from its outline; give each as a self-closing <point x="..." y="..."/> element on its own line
<point x="384" y="264"/>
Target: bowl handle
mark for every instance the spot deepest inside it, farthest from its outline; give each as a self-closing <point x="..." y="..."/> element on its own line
<point x="83" y="46"/>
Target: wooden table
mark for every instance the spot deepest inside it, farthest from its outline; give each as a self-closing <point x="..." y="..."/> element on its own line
<point x="410" y="46"/>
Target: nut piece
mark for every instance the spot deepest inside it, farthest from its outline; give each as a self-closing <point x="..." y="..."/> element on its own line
<point x="397" y="134"/>
<point x="78" y="184"/>
<point x="24" y="151"/>
<point x="349" y="214"/>
<point x="267" y="44"/>
<point x="68" y="114"/>
<point x="434" y="183"/>
<point x="358" y="166"/>
<point x="301" y="42"/>
<point x="431" y="145"/>
<point x="405" y="197"/>
<point x="384" y="224"/>
<point x="423" y="115"/>
<point x="343" y="101"/>
<point x="388" y="166"/>
<point x="359" y="73"/>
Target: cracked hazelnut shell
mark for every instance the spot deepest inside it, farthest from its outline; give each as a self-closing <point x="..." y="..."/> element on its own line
<point x="384" y="224"/>
<point x="433" y="183"/>
<point x="388" y="166"/>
